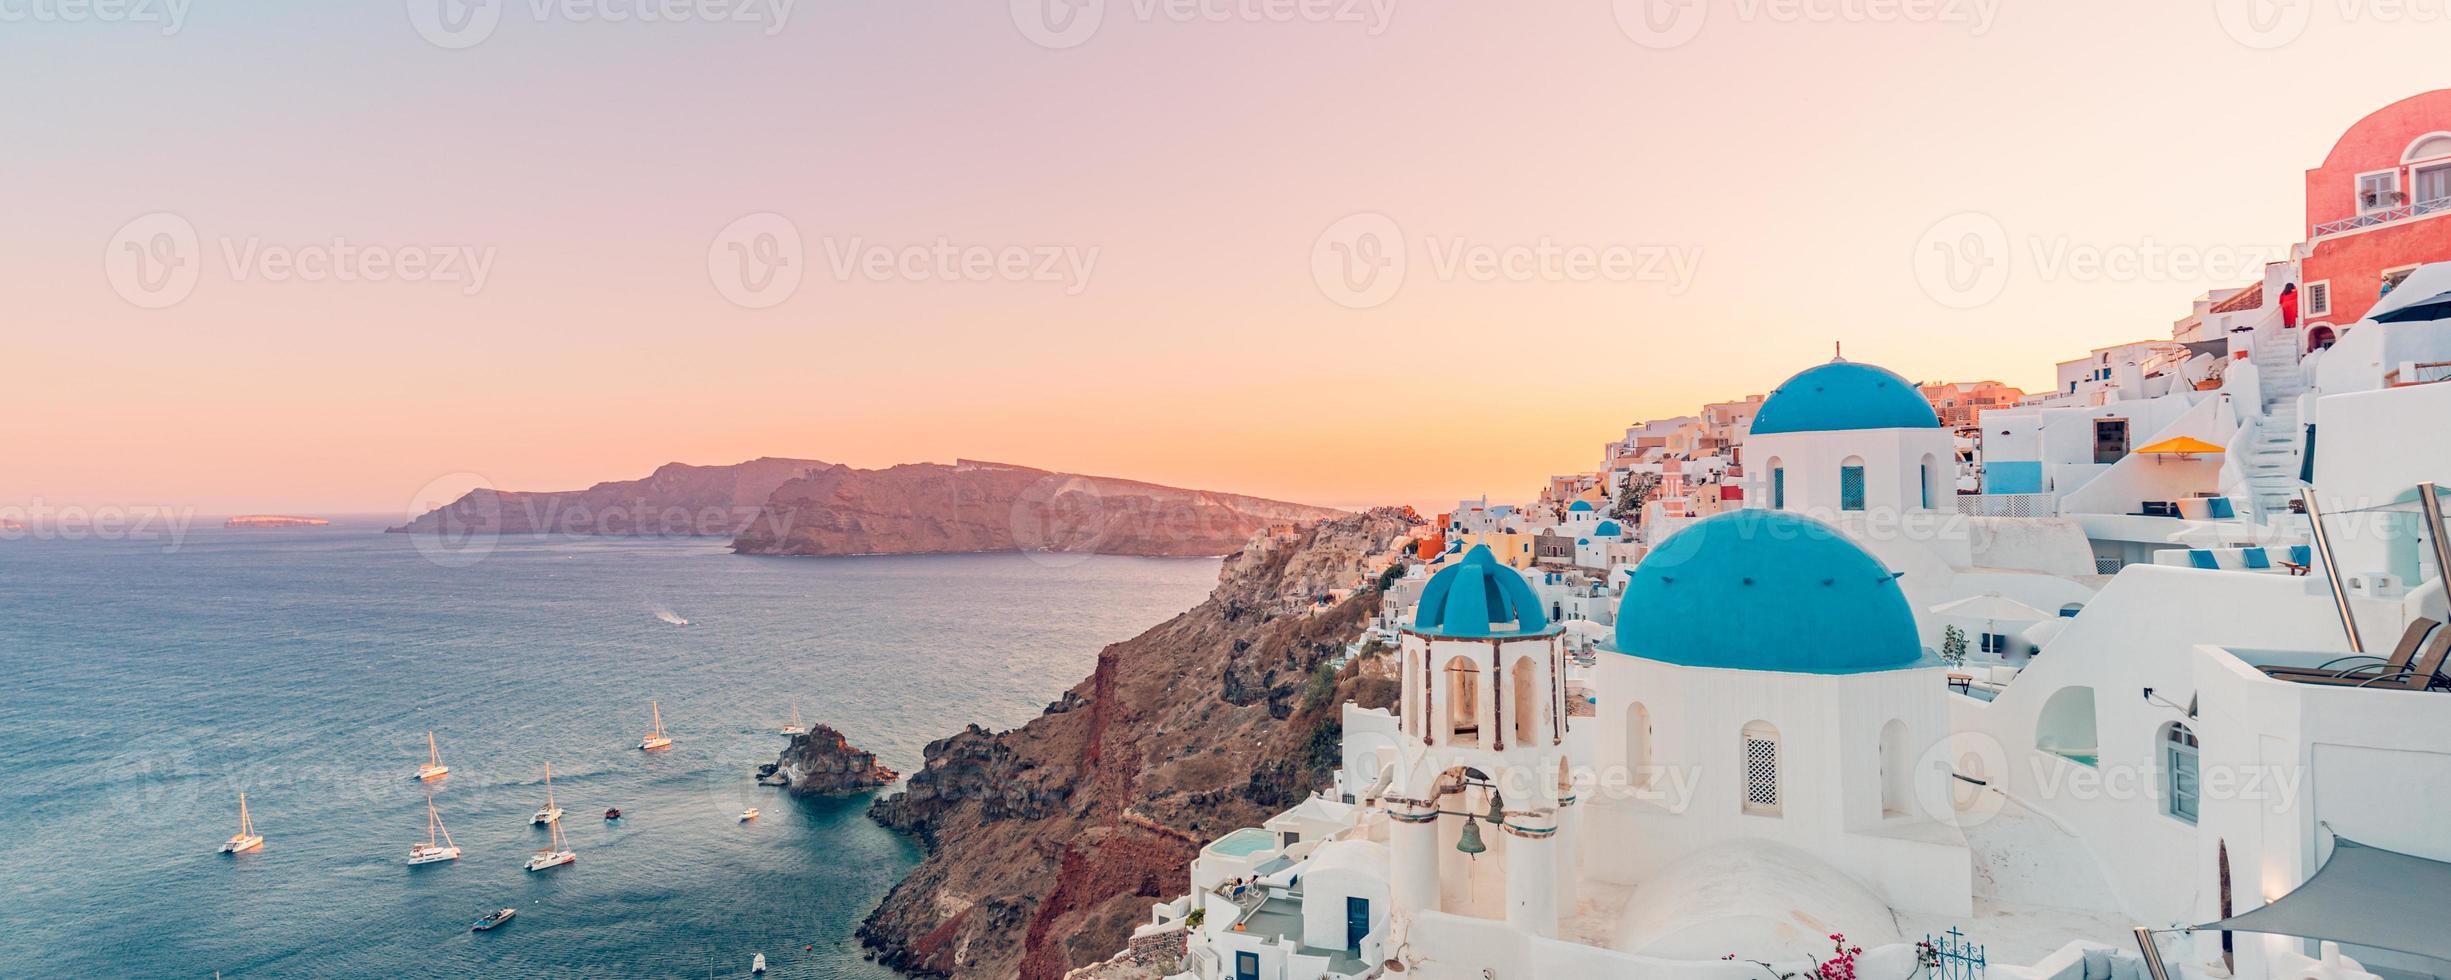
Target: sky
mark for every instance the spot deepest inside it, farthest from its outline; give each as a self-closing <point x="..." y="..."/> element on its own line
<point x="291" y="257"/>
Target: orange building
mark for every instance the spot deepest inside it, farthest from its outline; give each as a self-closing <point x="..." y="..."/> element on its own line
<point x="2379" y="206"/>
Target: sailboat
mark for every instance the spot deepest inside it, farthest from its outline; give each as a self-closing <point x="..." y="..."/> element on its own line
<point x="438" y="845"/>
<point x="434" y="768"/>
<point x="554" y="856"/>
<point x="656" y="739"/>
<point x="757" y="964"/>
<point x="795" y="728"/>
<point x="246" y="839"/>
<point x="548" y="813"/>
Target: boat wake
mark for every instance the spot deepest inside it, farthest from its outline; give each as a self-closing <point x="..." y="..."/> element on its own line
<point x="666" y="614"/>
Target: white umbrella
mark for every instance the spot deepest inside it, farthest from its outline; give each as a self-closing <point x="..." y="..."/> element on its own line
<point x="1990" y="606"/>
<point x="1591" y="629"/>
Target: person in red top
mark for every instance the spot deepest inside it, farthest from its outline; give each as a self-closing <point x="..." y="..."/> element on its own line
<point x="2289" y="305"/>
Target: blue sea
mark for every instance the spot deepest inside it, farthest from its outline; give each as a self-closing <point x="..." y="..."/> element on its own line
<point x="148" y="683"/>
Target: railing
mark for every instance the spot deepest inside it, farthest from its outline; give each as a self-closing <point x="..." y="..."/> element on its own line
<point x="2422" y="372"/>
<point x="2008" y="505"/>
<point x="2383" y="216"/>
<point x="1950" y="957"/>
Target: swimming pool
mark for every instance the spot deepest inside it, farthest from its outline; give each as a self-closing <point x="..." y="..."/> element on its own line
<point x="1243" y="843"/>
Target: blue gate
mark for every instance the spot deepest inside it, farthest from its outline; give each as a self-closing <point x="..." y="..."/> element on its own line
<point x="1951" y="957"/>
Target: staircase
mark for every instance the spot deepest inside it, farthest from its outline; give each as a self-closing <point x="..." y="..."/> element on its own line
<point x="2272" y="463"/>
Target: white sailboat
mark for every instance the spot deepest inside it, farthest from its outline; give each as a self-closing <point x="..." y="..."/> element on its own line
<point x="656" y="739"/>
<point x="434" y="768"/>
<point x="246" y="839"/>
<point x="549" y="813"/>
<point x="757" y="964"/>
<point x="438" y="845"/>
<point x="795" y="728"/>
<point x="554" y="856"/>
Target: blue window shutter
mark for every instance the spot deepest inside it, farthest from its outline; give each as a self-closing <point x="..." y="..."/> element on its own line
<point x="1851" y="488"/>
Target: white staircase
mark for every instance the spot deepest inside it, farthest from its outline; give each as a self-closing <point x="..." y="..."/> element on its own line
<point x="2272" y="463"/>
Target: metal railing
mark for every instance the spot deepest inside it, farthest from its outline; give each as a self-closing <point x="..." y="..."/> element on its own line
<point x="2008" y="505"/>
<point x="1950" y="957"/>
<point x="2382" y="216"/>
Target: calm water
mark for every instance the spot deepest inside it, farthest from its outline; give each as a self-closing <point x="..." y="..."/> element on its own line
<point x="146" y="689"/>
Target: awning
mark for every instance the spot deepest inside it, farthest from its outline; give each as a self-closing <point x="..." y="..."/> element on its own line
<point x="2363" y="896"/>
<point x="2179" y="445"/>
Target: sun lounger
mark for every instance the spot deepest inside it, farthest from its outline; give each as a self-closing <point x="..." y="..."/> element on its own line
<point x="2361" y="667"/>
<point x="2203" y="559"/>
<point x="2255" y="558"/>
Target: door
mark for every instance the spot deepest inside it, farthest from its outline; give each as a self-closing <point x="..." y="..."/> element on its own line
<point x="1246" y="966"/>
<point x="2110" y="440"/>
<point x="1357" y="922"/>
<point x="2433" y="184"/>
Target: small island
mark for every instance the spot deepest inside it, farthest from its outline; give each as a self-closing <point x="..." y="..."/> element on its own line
<point x="273" y="520"/>
<point x="824" y="763"/>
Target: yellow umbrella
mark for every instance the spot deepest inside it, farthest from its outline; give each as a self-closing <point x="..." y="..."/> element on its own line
<point x="2179" y="446"/>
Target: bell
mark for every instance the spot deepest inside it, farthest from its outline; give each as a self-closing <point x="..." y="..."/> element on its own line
<point x="1469" y="841"/>
<point x="1497" y="809"/>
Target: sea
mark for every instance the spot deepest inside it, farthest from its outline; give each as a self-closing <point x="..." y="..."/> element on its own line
<point x="150" y="680"/>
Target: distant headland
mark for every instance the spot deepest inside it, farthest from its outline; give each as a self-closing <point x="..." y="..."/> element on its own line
<point x="253" y="521"/>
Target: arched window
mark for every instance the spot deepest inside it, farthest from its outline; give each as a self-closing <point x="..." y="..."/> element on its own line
<point x="1529" y="696"/>
<point x="1761" y="750"/>
<point x="2428" y="147"/>
<point x="1929" y="476"/>
<point x="1463" y="714"/>
<point x="2180" y="791"/>
<point x="1851" y="484"/>
<point x="1897" y="770"/>
<point x="1778" y="484"/>
<point x="2066" y="726"/>
<point x="2070" y="610"/>
<point x="1638" y="745"/>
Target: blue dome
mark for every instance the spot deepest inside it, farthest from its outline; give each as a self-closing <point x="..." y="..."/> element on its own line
<point x="1608" y="529"/>
<point x="1842" y="395"/>
<point x="1477" y="596"/>
<point x="1580" y="507"/>
<point x="1767" y="590"/>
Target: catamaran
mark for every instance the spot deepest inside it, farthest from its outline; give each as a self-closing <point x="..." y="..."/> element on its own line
<point x="795" y="728"/>
<point x="246" y="839"/>
<point x="438" y="845"/>
<point x="554" y="856"/>
<point x="434" y="768"/>
<point x="548" y="813"/>
<point x="656" y="739"/>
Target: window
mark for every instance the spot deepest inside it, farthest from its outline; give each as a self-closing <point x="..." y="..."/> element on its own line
<point x="1778" y="488"/>
<point x="1897" y="770"/>
<point x="2318" y="298"/>
<point x="2180" y="791"/>
<point x="2433" y="145"/>
<point x="2378" y="191"/>
<point x="2432" y="185"/>
<point x="1761" y="769"/>
<point x="1246" y="965"/>
<point x="2392" y="279"/>
<point x="1851" y="485"/>
<point x="1925" y="478"/>
<point x="1995" y="643"/>
<point x="2110" y="440"/>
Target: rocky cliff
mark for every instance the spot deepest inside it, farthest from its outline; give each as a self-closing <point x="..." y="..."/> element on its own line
<point x="678" y="499"/>
<point x="1048" y="843"/>
<point x="928" y="508"/>
<point x="824" y="763"/>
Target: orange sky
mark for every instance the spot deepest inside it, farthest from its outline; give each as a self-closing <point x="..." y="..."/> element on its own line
<point x="1796" y="161"/>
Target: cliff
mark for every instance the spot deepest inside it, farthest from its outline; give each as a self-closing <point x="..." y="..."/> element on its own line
<point x="931" y="508"/>
<point x="1048" y="843"/>
<point x="823" y="762"/>
<point x="678" y="499"/>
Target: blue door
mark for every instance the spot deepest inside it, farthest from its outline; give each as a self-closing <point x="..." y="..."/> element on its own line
<point x="1357" y="922"/>
<point x="1246" y="966"/>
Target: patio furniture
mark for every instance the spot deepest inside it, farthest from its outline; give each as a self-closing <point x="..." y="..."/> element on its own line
<point x="2256" y="558"/>
<point x="2424" y="675"/>
<point x="2301" y="559"/>
<point x="2221" y="509"/>
<point x="2351" y="670"/>
<point x="2200" y="558"/>
<point x="1961" y="683"/>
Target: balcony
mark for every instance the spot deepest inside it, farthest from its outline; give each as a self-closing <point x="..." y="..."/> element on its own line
<point x="2382" y="216"/>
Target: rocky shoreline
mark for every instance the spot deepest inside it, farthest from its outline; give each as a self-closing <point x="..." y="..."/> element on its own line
<point x="1047" y="844"/>
<point x="824" y="763"/>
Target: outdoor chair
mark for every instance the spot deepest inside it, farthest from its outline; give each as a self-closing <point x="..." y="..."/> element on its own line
<point x="2424" y="676"/>
<point x="2256" y="558"/>
<point x="2352" y="669"/>
<point x="2200" y="558"/>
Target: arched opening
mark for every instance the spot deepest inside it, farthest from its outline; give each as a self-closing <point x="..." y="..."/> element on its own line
<point x="1851" y="484"/>
<point x="1462" y="719"/>
<point x="1897" y="770"/>
<point x="2066" y="726"/>
<point x="1778" y="484"/>
<point x="1638" y="745"/>
<point x="2180" y="790"/>
<point x="2320" y="337"/>
<point x="2070" y="610"/>
<point x="1929" y="475"/>
<point x="1529" y="695"/>
<point x="1761" y="755"/>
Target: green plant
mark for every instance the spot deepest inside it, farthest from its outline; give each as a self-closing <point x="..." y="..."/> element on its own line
<point x="1638" y="491"/>
<point x="1196" y="917"/>
<point x="1953" y="646"/>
